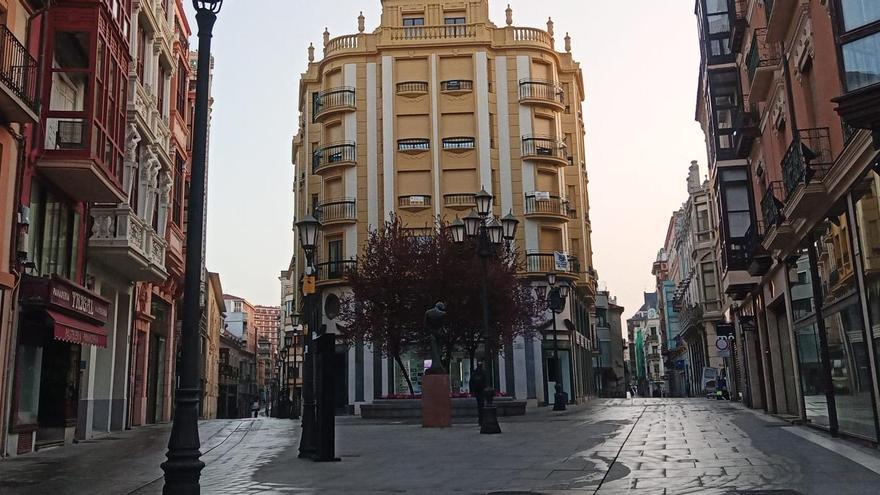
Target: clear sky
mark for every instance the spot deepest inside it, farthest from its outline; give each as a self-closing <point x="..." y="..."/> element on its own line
<point x="640" y="61"/>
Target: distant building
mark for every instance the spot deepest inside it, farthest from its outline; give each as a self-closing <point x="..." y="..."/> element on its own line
<point x="210" y="349"/>
<point x="609" y="371"/>
<point x="237" y="378"/>
<point x="646" y="363"/>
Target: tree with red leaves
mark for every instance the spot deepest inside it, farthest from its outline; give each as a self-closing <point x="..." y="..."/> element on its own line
<point x="399" y="276"/>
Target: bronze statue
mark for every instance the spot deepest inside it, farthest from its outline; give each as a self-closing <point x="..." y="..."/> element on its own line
<point x="435" y="318"/>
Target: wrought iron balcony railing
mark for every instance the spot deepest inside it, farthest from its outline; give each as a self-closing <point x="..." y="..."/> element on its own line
<point x="414" y="201"/>
<point x="808" y="158"/>
<point x="539" y="89"/>
<point x="18" y="69"/>
<point x="541" y="146"/>
<point x="459" y="200"/>
<point x="333" y="99"/>
<point x="335" y="270"/>
<point x="456" y="85"/>
<point x="545" y="262"/>
<point x="412" y="87"/>
<point x="413" y="144"/>
<point x="337" y="210"/>
<point x="771" y="205"/>
<point x="459" y="143"/>
<point x="761" y="54"/>
<point x="336" y="153"/>
<point x="553" y="205"/>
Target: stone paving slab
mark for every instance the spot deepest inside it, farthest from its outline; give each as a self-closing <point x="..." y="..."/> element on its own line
<point x="642" y="447"/>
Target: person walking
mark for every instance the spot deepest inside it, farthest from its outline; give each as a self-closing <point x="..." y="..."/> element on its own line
<point x="477" y="386"/>
<point x="255" y="408"/>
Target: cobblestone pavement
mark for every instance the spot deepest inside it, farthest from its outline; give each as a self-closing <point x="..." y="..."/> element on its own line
<point x="641" y="446"/>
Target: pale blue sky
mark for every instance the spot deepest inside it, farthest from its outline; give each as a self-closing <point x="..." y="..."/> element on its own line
<point x="640" y="62"/>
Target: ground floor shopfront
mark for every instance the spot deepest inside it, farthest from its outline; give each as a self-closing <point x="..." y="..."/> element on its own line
<point x="810" y="332"/>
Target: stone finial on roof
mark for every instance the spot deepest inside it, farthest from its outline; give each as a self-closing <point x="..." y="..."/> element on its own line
<point x="567" y="43"/>
<point x="326" y="36"/>
<point x="550" y="26"/>
<point x="361" y="23"/>
<point x="311" y="52"/>
<point x="509" y="12"/>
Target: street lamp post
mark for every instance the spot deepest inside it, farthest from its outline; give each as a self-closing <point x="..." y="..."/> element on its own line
<point x="293" y="399"/>
<point x="308" y="229"/>
<point x="183" y="467"/>
<point x="489" y="232"/>
<point x="556" y="304"/>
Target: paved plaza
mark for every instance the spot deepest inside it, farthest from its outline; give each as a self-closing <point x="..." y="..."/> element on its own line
<point x="640" y="446"/>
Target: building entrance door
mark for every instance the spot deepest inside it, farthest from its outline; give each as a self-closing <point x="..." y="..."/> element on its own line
<point x="59" y="391"/>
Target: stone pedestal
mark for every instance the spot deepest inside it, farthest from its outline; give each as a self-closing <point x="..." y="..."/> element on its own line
<point x="436" y="404"/>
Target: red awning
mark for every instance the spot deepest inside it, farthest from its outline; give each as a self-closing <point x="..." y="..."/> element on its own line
<point x="70" y="329"/>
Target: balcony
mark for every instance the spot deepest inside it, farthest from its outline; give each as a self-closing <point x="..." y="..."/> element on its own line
<point x="459" y="201"/>
<point x="691" y="316"/>
<point x="456" y="87"/>
<point x="446" y="32"/>
<point x="804" y="166"/>
<point x="459" y="144"/>
<point x="746" y="128"/>
<point x="414" y="145"/>
<point x="334" y="272"/>
<point x="412" y="89"/>
<point x="541" y="92"/>
<point x="18" y="74"/>
<point x="546" y="206"/>
<point x="759" y="258"/>
<point x="540" y="263"/>
<point x="545" y="149"/>
<point x="654" y="356"/>
<point x="779" y="15"/>
<point x="75" y="166"/>
<point x="652" y="338"/>
<point x="740" y="23"/>
<point x="332" y="101"/>
<point x="123" y="241"/>
<point x="414" y="202"/>
<point x="761" y="64"/>
<point x="337" y="211"/>
<point x="860" y="108"/>
<point x="333" y="156"/>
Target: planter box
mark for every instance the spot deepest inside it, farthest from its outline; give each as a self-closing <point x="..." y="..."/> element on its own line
<point x="461" y="408"/>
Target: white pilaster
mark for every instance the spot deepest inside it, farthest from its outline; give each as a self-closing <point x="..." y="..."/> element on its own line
<point x="482" y="89"/>
<point x="523" y="71"/>
<point x="352" y="379"/>
<point x="502" y="113"/>
<point x="539" y="367"/>
<point x="372" y="150"/>
<point x="368" y="374"/>
<point x="519" y="368"/>
<point x="388" y="149"/>
<point x="435" y="125"/>
<point x="349" y="75"/>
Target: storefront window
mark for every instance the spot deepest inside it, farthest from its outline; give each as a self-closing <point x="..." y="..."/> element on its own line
<point x="867" y="219"/>
<point x="54" y="234"/>
<point x="807" y="341"/>
<point x="29" y="361"/>
<point x="850" y="370"/>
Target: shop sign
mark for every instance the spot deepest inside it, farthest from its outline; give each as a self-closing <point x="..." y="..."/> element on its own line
<point x="58" y="293"/>
<point x="560" y="261"/>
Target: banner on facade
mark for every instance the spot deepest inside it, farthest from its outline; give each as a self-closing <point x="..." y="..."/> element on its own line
<point x="560" y="260"/>
<point x="542" y="196"/>
<point x="723" y="344"/>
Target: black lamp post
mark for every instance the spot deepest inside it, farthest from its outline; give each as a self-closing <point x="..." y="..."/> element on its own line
<point x="183" y="467"/>
<point x="279" y="386"/>
<point x="556" y="304"/>
<point x="294" y="398"/>
<point x="489" y="233"/>
<point x="308" y="229"/>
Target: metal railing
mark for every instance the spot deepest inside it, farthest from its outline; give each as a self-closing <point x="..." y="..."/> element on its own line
<point x="463" y="200"/>
<point x="543" y="146"/>
<point x="753" y="238"/>
<point x="335" y="270"/>
<point x="332" y="99"/>
<point x="18" y="70"/>
<point x="545" y="262"/>
<point x="771" y="205"/>
<point x="761" y="54"/>
<point x="459" y="143"/>
<point x="808" y="158"/>
<point x="412" y="87"/>
<point x="540" y="89"/>
<point x="337" y="210"/>
<point x="414" y="201"/>
<point x="690" y="315"/>
<point x="334" y="153"/>
<point x="413" y="144"/>
<point x="553" y="205"/>
<point x="457" y="85"/>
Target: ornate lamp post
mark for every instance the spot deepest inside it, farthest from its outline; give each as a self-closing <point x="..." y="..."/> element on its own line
<point x="308" y="229"/>
<point x="294" y="399"/>
<point x="489" y="232"/>
<point x="183" y="467"/>
<point x="556" y="304"/>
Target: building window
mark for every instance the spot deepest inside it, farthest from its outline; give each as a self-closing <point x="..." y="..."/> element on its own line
<point x="182" y="88"/>
<point x="237" y="306"/>
<point x="55" y="232"/>
<point x="735" y="207"/>
<point x="176" y="193"/>
<point x="710" y="281"/>
<point x="860" y="42"/>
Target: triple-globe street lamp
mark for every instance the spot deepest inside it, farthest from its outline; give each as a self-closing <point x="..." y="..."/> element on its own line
<point x="183" y="467"/>
<point x="556" y="304"/>
<point x="489" y="232"/>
